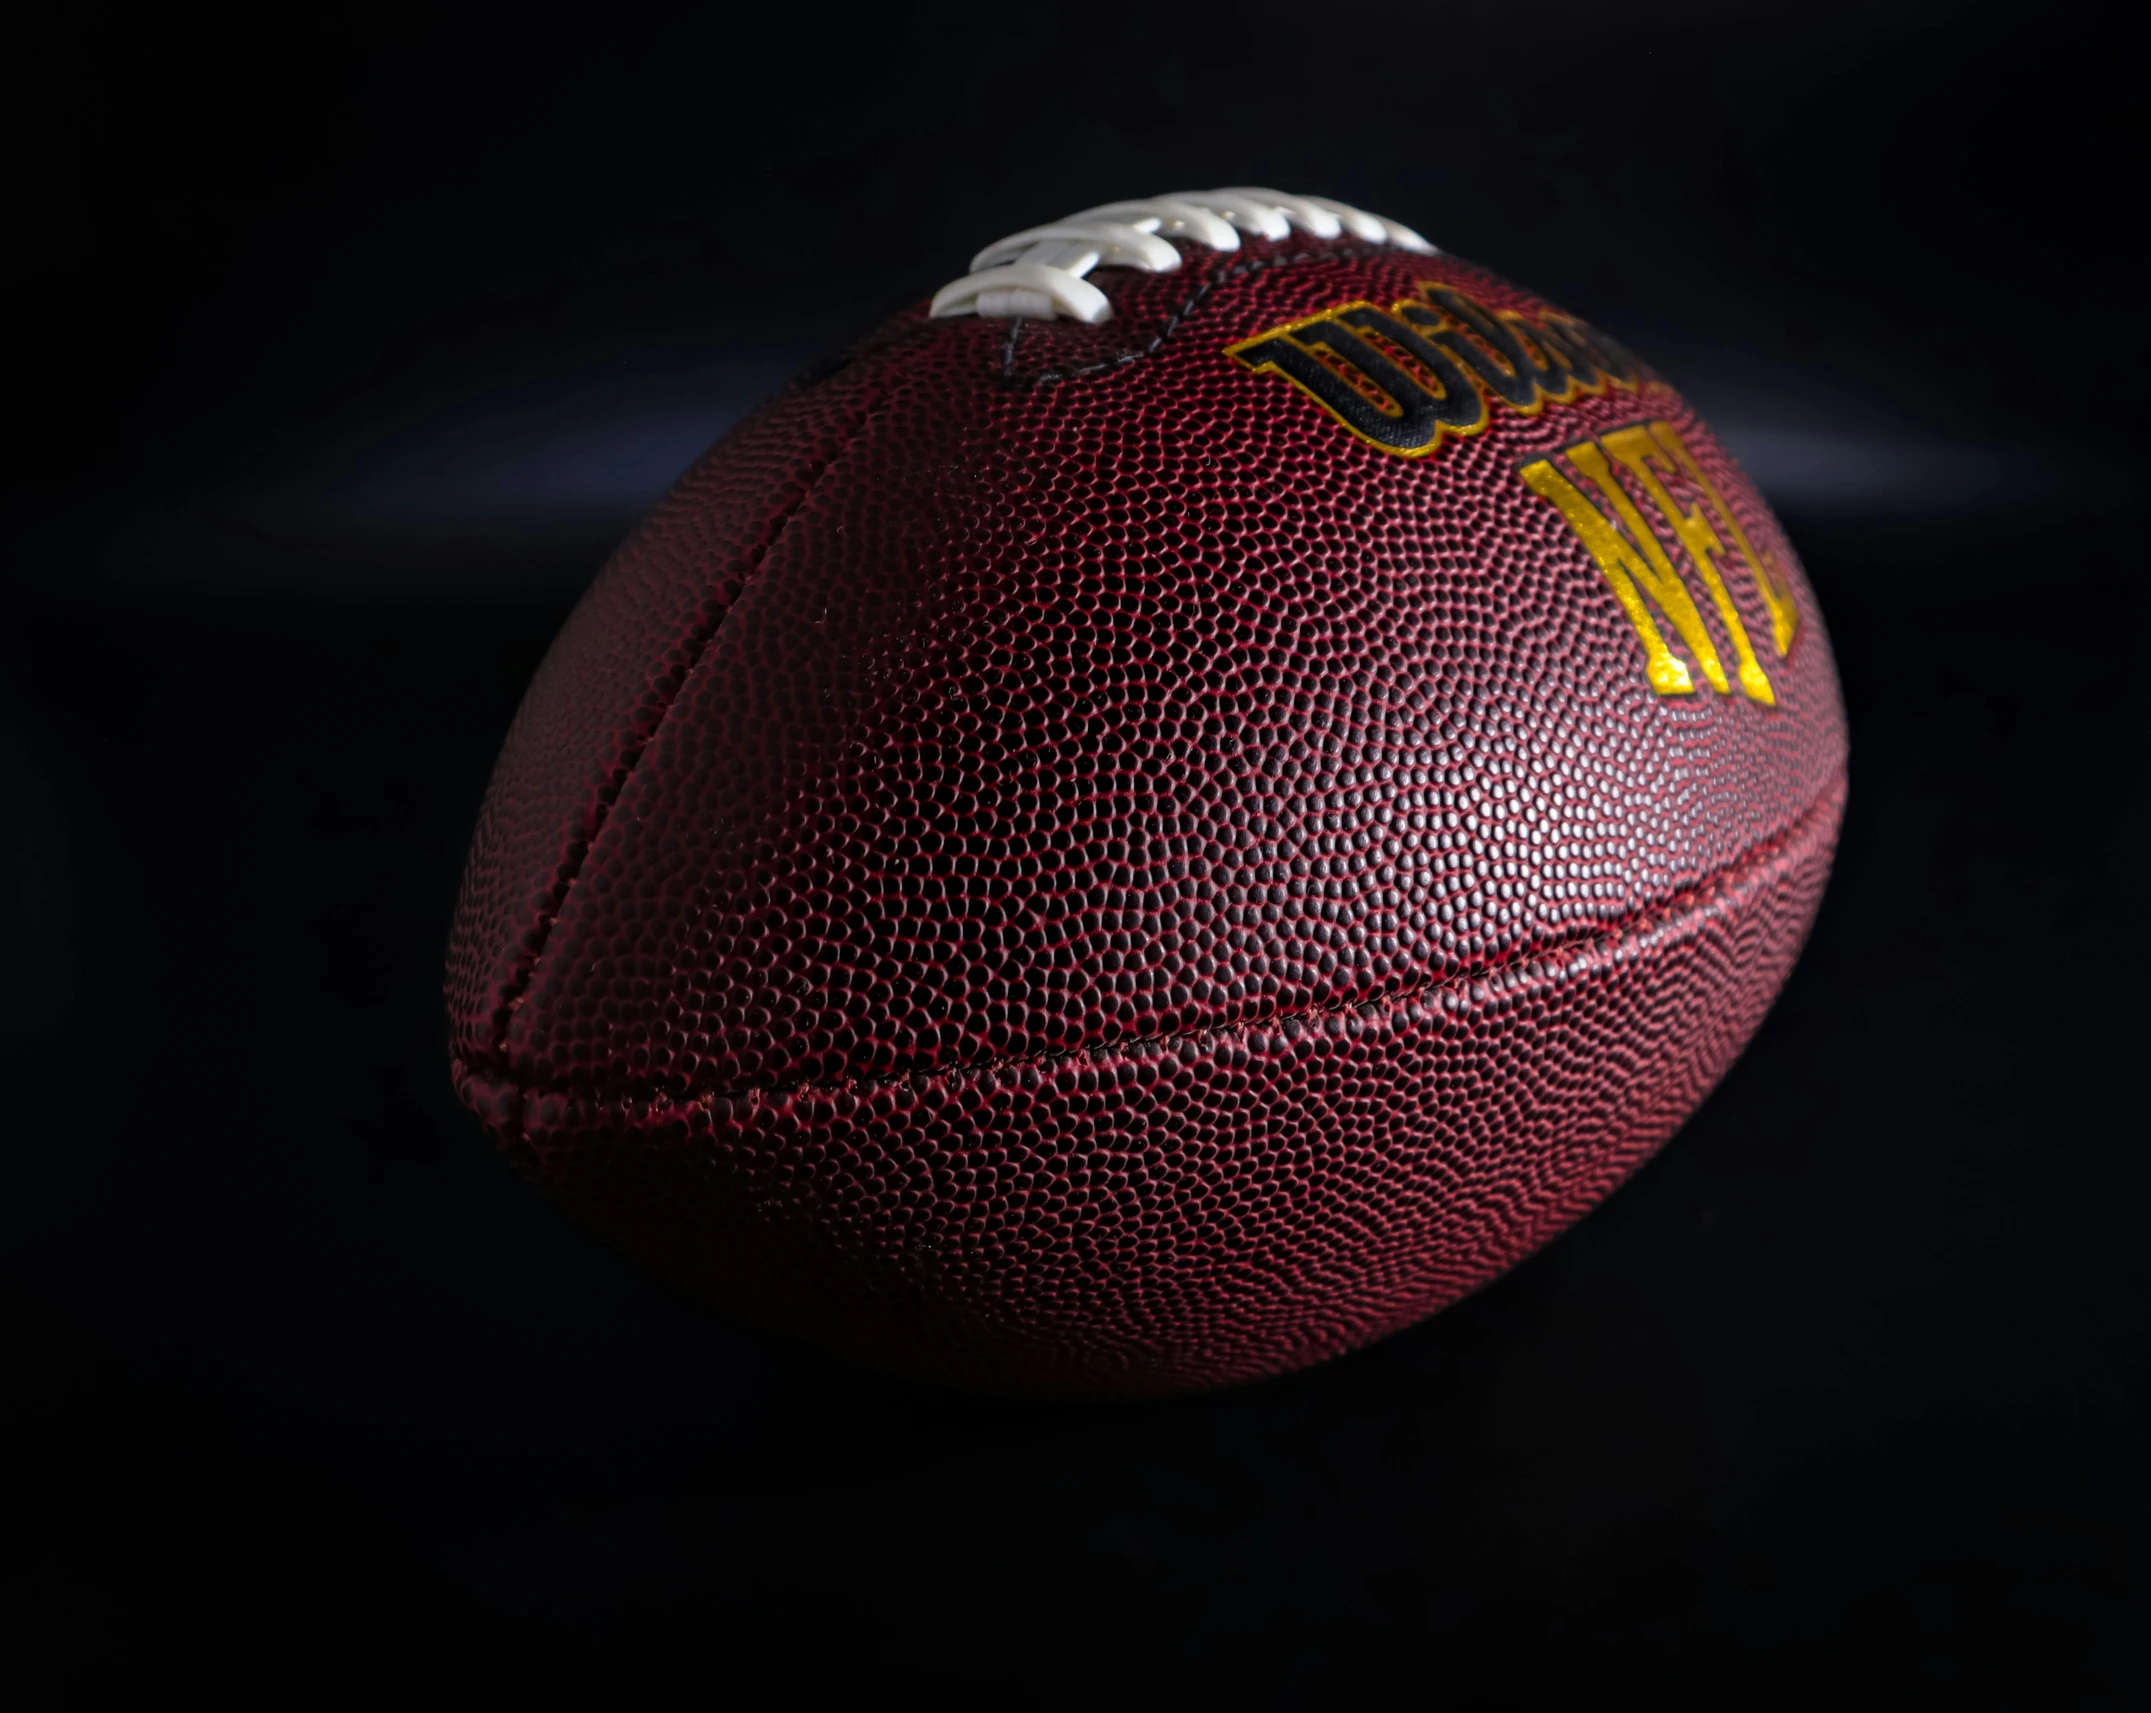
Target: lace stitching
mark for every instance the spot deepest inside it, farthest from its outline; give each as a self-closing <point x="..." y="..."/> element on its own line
<point x="1039" y="274"/>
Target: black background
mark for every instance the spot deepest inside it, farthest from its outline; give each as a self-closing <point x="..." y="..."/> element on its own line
<point x="345" y="347"/>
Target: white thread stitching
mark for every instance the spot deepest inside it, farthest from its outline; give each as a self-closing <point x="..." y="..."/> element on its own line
<point x="1038" y="274"/>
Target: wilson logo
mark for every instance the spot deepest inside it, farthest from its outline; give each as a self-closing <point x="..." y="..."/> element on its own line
<point x="1432" y="366"/>
<point x="1435" y="365"/>
<point x="1655" y="462"/>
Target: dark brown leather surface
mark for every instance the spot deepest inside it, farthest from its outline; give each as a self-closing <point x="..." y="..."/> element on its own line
<point x="1048" y="862"/>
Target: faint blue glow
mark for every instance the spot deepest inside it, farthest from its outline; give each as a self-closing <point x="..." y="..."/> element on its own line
<point x="1804" y="470"/>
<point x="483" y="487"/>
<point x="490" y="488"/>
<point x="585" y="457"/>
<point x="595" y="452"/>
<point x="608" y="452"/>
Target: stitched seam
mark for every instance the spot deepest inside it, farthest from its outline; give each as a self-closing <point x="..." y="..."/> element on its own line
<point x="517" y="988"/>
<point x="1238" y="270"/>
<point x="1608" y="937"/>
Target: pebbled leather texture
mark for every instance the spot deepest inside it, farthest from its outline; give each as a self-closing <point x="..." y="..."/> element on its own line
<point x="1047" y="863"/>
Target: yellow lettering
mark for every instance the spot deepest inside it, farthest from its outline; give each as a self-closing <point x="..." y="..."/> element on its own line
<point x="1636" y="448"/>
<point x="1770" y="580"/>
<point x="1648" y="565"/>
<point x="1623" y="569"/>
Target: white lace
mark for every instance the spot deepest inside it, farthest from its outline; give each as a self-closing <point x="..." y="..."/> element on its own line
<point x="1038" y="274"/>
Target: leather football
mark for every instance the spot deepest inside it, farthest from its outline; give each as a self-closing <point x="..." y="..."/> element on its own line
<point x="1183" y="805"/>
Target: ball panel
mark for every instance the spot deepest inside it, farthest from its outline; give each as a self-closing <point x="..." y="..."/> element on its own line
<point x="1199" y="1209"/>
<point x="1145" y="702"/>
<point x="607" y="682"/>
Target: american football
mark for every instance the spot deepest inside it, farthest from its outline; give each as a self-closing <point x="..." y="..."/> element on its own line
<point x="1182" y="805"/>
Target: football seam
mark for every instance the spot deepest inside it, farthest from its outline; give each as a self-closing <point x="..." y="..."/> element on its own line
<point x="1218" y="277"/>
<point x="1690" y="903"/>
<point x="517" y="988"/>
